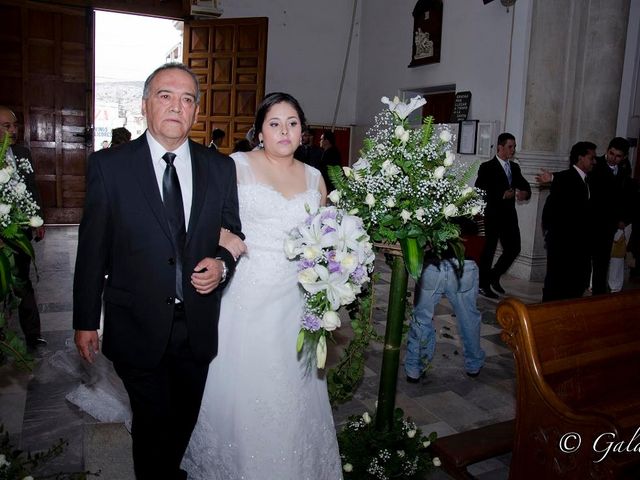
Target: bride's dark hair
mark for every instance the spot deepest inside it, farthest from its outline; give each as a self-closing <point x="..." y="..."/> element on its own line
<point x="269" y="101"/>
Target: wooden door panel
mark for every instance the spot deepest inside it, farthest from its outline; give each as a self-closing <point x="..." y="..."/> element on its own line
<point x="48" y="84"/>
<point x="229" y="58"/>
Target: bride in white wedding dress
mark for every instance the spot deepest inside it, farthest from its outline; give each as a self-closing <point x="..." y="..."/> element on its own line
<point x="265" y="414"/>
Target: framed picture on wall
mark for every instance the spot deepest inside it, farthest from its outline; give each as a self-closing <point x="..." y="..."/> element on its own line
<point x="427" y="33"/>
<point x="467" y="137"/>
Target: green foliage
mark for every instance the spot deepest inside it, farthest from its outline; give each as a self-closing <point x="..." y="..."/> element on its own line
<point x="402" y="452"/>
<point x="17" y="465"/>
<point x="344" y="378"/>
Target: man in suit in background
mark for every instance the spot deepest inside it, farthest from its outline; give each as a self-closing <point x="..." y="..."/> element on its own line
<point x="330" y="156"/>
<point x="217" y="136"/>
<point x="503" y="183"/>
<point x="28" y="313"/>
<point x="154" y="210"/>
<point x="567" y="226"/>
<point x="307" y="152"/>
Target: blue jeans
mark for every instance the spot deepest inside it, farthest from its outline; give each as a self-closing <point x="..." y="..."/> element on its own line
<point x="462" y="293"/>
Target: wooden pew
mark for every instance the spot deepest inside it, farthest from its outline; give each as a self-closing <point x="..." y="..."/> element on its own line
<point x="578" y="374"/>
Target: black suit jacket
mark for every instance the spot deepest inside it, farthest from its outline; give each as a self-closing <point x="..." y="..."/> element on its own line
<point x="124" y="233"/>
<point x="493" y="180"/>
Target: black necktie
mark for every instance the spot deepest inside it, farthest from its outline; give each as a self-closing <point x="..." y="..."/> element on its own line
<point x="172" y="198"/>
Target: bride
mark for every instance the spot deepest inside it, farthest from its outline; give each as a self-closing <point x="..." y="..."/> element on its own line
<point x="265" y="414"/>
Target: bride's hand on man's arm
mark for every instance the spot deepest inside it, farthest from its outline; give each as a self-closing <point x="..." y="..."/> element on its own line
<point x="232" y="242"/>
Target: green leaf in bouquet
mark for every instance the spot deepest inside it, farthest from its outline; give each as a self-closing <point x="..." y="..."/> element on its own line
<point x="20" y="242"/>
<point x="300" y="341"/>
<point x="337" y="176"/>
<point x="6" y="277"/>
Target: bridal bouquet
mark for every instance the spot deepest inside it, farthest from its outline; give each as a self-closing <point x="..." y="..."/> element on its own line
<point x="335" y="258"/>
<point x="407" y="186"/>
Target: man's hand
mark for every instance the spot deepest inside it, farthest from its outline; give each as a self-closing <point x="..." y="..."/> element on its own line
<point x="544" y="176"/>
<point x="508" y="194"/>
<point x="87" y="344"/>
<point x="522" y="195"/>
<point x="233" y="243"/>
<point x="206" y="275"/>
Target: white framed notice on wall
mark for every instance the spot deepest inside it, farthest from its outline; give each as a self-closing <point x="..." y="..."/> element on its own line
<point x="467" y="136"/>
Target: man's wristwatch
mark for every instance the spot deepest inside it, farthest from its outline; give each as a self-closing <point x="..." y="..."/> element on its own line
<point x="225" y="270"/>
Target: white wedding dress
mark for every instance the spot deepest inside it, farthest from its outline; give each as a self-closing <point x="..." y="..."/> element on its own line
<point x="265" y="413"/>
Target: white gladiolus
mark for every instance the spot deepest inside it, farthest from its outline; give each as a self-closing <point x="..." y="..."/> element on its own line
<point x="402" y="109"/>
<point x="35" y="221"/>
<point x="445" y="136"/>
<point x="366" y="418"/>
<point x="347" y="467"/>
<point x="450" y="210"/>
<point x="321" y="352"/>
<point x="4" y="209"/>
<point x="330" y="320"/>
<point x="419" y="214"/>
<point x="370" y="200"/>
<point x="334" y="196"/>
<point x="411" y="433"/>
<point x="436" y="462"/>
<point x="347" y="171"/>
<point x="399" y="131"/>
<point x="390" y="202"/>
<point x="449" y="158"/>
<point x="438" y="173"/>
<point x="406" y="216"/>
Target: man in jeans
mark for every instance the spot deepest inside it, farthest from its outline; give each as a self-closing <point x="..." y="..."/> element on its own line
<point x="442" y="277"/>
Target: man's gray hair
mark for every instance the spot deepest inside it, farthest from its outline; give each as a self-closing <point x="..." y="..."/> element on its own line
<point x="169" y="66"/>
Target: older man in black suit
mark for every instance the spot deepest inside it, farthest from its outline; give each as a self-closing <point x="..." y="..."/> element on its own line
<point x="503" y="183"/>
<point x="28" y="313"/>
<point x="567" y="226"/>
<point x="153" y="215"/>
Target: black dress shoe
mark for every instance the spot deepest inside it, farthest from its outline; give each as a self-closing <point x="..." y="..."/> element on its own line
<point x="495" y="285"/>
<point x="35" y="342"/>
<point x="413" y="380"/>
<point x="473" y="375"/>
<point x="487" y="292"/>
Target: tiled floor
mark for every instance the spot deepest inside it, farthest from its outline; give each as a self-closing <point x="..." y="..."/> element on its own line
<point x="34" y="410"/>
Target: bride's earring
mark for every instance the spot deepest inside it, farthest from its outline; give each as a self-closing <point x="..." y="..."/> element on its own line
<point x="261" y="144"/>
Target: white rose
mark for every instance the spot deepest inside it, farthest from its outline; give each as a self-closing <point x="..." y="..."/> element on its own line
<point x="335" y="195"/>
<point x="399" y="131"/>
<point x="439" y="172"/>
<point x="347" y="171"/>
<point x="445" y="135"/>
<point x="419" y="214"/>
<point x="475" y="210"/>
<point x="390" y="202"/>
<point x="370" y="200"/>
<point x="3" y="461"/>
<point x="436" y="462"/>
<point x="400" y="453"/>
<point x="389" y="168"/>
<point x="405" y="137"/>
<point x="349" y="262"/>
<point x="426" y="443"/>
<point x="4" y="176"/>
<point x="4" y="209"/>
<point x="366" y="418"/>
<point x="347" y="467"/>
<point x="361" y="164"/>
<point x="449" y="158"/>
<point x="466" y="191"/>
<point x="308" y="275"/>
<point x="450" y="210"/>
<point x="405" y="216"/>
<point x="321" y="352"/>
<point x="35" y="221"/>
<point x="330" y="320"/>
<point x="411" y="433"/>
<point x="310" y="252"/>
<point x="20" y="188"/>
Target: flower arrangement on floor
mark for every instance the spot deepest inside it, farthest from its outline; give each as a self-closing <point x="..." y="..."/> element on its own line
<point x="401" y="452"/>
<point x="18" y="211"/>
<point x="407" y="186"/>
<point x="335" y="258"/>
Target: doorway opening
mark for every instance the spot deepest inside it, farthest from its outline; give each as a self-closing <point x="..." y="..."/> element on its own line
<point x="127" y="49"/>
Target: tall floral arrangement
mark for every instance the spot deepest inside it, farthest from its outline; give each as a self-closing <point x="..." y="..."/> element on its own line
<point x="18" y="211"/>
<point x="407" y="186"/>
